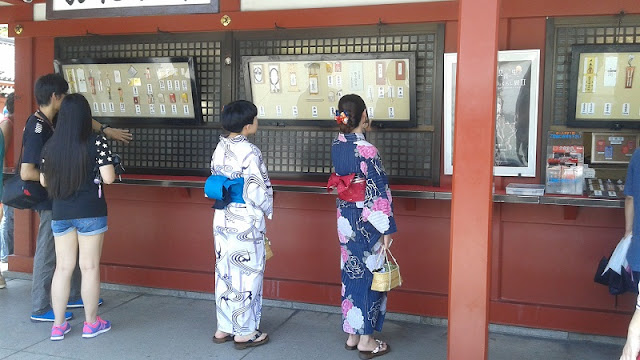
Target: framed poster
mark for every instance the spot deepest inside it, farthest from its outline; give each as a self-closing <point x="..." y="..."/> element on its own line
<point x="603" y="91"/>
<point x="304" y="90"/>
<point x="136" y="91"/>
<point x="613" y="148"/>
<point x="516" y="112"/>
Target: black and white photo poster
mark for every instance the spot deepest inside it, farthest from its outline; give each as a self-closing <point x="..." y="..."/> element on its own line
<point x="516" y="112"/>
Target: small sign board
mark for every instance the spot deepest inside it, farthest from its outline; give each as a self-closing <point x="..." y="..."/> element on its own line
<point x="74" y="9"/>
<point x="612" y="148"/>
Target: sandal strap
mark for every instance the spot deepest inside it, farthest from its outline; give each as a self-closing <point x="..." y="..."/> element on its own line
<point x="256" y="336"/>
<point x="379" y="347"/>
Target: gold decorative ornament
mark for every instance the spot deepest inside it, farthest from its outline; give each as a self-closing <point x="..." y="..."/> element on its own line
<point x="226" y="20"/>
<point x="18" y="29"/>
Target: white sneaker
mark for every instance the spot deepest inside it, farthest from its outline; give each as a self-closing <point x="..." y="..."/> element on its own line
<point x="3" y="284"/>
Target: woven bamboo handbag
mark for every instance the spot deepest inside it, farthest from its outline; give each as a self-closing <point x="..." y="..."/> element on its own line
<point x="388" y="277"/>
<point x="267" y="249"/>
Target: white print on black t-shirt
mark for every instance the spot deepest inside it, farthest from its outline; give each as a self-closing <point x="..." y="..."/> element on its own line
<point x="103" y="153"/>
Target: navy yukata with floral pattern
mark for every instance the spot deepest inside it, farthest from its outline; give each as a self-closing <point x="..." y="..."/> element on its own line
<point x="360" y="229"/>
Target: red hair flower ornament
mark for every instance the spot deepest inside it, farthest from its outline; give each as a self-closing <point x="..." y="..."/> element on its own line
<point x="342" y="117"/>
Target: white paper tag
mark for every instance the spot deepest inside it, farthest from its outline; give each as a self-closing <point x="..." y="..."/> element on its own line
<point x="589" y="173"/>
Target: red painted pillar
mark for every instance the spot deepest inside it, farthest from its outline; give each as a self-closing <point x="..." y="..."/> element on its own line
<point x="471" y="208"/>
<point x="24" y="233"/>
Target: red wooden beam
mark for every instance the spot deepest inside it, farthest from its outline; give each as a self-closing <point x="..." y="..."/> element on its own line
<point x="229" y="5"/>
<point x="524" y="8"/>
<point x="250" y="20"/>
<point x="14" y="2"/>
<point x="472" y="203"/>
<point x="16" y="12"/>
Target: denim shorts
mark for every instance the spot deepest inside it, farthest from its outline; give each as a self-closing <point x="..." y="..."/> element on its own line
<point x="84" y="226"/>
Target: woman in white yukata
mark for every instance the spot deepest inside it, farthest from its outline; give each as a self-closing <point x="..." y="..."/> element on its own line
<point x="246" y="197"/>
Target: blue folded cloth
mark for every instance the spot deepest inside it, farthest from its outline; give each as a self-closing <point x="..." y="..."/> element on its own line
<point x="224" y="190"/>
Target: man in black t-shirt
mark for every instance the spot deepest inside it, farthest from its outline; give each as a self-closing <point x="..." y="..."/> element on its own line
<point x="49" y="91"/>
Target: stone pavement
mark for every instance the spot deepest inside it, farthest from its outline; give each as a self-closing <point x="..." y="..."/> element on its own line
<point x="163" y="324"/>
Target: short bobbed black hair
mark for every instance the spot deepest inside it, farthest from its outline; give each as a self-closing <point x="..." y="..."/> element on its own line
<point x="236" y="115"/>
<point x="47" y="85"/>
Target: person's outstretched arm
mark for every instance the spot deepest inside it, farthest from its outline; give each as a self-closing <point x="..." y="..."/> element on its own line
<point x="122" y="135"/>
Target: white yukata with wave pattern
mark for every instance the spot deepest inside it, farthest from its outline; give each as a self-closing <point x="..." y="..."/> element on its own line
<point x="238" y="232"/>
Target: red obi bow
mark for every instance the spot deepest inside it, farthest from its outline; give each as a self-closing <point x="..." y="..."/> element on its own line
<point x="348" y="190"/>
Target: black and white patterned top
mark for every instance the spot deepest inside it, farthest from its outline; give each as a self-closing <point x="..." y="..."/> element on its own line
<point x="103" y="151"/>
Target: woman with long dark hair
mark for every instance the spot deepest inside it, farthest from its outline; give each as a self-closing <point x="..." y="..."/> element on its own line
<point x="69" y="162"/>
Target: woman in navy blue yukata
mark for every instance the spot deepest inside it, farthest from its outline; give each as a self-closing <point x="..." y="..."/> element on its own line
<point x="365" y="225"/>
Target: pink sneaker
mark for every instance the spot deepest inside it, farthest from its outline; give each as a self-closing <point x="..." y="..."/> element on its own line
<point x="58" y="331"/>
<point x="95" y="329"/>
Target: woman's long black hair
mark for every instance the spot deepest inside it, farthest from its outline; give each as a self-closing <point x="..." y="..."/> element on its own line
<point x="65" y="154"/>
